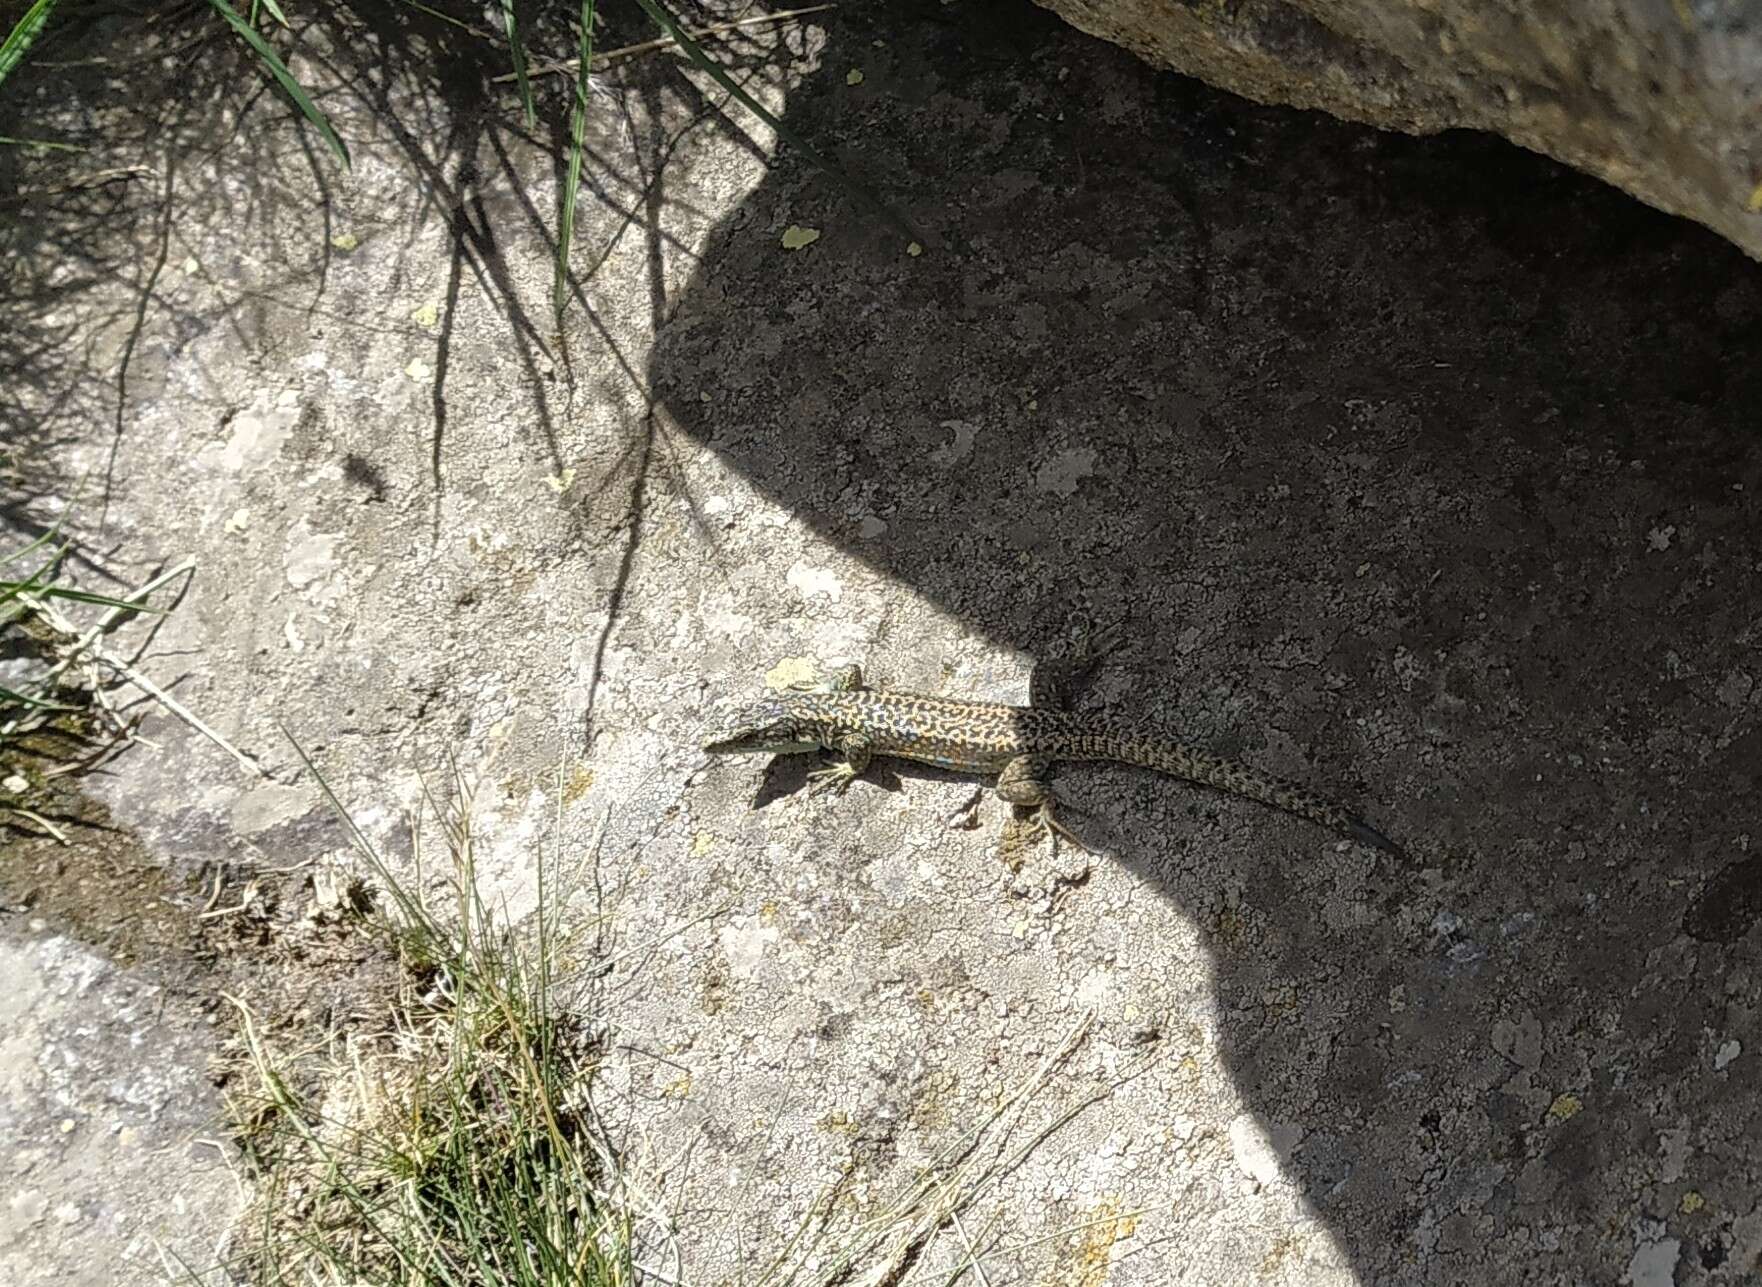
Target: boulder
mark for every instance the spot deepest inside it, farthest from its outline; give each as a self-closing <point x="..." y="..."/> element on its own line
<point x="1662" y="98"/>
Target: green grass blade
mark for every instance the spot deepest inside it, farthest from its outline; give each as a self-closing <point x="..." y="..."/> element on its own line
<point x="517" y="48"/>
<point x="577" y="145"/>
<point x="10" y="696"/>
<point x="274" y="11"/>
<point x="436" y="14"/>
<point x="45" y="144"/>
<point x="33" y="586"/>
<point x="24" y="32"/>
<point x="33" y="582"/>
<point x="693" y="51"/>
<point x="284" y="77"/>
<point x="415" y="916"/>
<point x="41" y="541"/>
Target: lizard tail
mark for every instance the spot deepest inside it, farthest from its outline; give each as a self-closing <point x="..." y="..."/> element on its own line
<point x="1182" y="761"/>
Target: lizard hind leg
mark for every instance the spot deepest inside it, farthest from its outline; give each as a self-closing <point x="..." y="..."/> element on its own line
<point x="1023" y="784"/>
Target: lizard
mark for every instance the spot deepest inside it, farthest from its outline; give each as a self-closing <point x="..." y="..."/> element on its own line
<point x="1019" y="744"/>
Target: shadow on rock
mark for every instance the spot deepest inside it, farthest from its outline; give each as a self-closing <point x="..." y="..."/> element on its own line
<point x="1422" y="470"/>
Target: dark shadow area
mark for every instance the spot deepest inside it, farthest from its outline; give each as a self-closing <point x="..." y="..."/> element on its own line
<point x="1424" y="471"/>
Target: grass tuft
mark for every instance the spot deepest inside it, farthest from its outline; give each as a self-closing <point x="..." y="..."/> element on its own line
<point x="514" y="31"/>
<point x="461" y="1145"/>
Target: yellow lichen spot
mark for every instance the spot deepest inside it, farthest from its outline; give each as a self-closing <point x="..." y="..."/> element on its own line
<point x="1754" y="205"/>
<point x="345" y="242"/>
<point x="418" y="370"/>
<point x="795" y="237"/>
<point x="768" y="912"/>
<point x="914" y="250"/>
<point x="702" y="843"/>
<point x="854" y="76"/>
<point x="1231" y="927"/>
<point x="678" y="1089"/>
<point x="791" y="672"/>
<point x="1286" y="1248"/>
<point x="559" y="483"/>
<point x="929" y="1111"/>
<point x="1691" y="1202"/>
<point x="1093" y="1248"/>
<point x="427" y="315"/>
<point x="837" y="1122"/>
<point x="578" y="784"/>
<point x="1565" y="1107"/>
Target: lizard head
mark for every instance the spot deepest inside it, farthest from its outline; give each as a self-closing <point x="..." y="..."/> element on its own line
<point x="764" y="728"/>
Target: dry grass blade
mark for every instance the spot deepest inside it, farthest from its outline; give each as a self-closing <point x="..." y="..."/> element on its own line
<point x="34" y="607"/>
<point x="31" y="815"/>
<point x="74" y="645"/>
<point x="85" y="647"/>
<point x="878" y="1250"/>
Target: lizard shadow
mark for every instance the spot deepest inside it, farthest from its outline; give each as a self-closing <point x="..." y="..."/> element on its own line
<point x="785" y="777"/>
<point x="1426" y="471"/>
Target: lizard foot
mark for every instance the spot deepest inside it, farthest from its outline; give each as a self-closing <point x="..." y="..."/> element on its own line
<point x="835" y="779"/>
<point x="1046" y="818"/>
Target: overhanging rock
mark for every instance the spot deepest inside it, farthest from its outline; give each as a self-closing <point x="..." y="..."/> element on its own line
<point x="1662" y="98"/>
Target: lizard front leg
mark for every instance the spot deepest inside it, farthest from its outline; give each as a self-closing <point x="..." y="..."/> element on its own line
<point x="1023" y="783"/>
<point x="837" y="778"/>
<point x="840" y="679"/>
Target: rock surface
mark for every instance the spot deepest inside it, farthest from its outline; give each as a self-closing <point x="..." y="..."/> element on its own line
<point x="1660" y="97"/>
<point x="106" y="1176"/>
<point x="1422" y="470"/>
